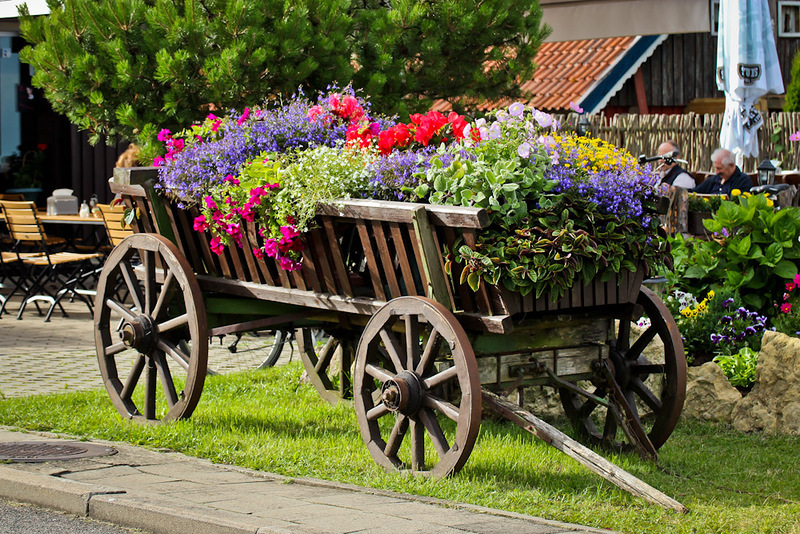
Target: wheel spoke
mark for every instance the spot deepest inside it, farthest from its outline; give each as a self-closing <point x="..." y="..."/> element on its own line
<point x="175" y="322"/>
<point x="392" y="348"/>
<point x="412" y="340"/>
<point x="116" y="348"/>
<point x="133" y="378"/>
<point x="378" y="373"/>
<point x="173" y="352"/>
<point x="166" y="288"/>
<point x="624" y="335"/>
<point x="649" y="369"/>
<point x="325" y="355"/>
<point x="610" y="428"/>
<point x="645" y="394"/>
<point x="434" y="430"/>
<point x="442" y="406"/>
<point x="120" y="309"/>
<point x="440" y="378"/>
<point x="417" y="445"/>
<point x="587" y="408"/>
<point x="397" y="435"/>
<point x="133" y="284"/>
<point x="640" y="344"/>
<point x="166" y="378"/>
<point x="150" y="390"/>
<point x="149" y="264"/>
<point x="430" y="352"/>
<point x="378" y="411"/>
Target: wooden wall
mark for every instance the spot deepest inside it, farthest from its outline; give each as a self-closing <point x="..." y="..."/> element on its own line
<point x="683" y="68"/>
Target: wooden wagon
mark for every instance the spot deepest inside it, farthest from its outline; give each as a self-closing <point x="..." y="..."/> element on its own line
<point x="410" y="347"/>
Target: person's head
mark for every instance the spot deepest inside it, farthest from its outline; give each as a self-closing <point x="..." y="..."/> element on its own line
<point x="669" y="146"/>
<point x="724" y="163"/>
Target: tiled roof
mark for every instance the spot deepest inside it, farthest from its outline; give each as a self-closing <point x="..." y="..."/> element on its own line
<point x="570" y="71"/>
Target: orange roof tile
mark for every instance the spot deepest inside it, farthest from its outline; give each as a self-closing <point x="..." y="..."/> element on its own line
<point x="569" y="70"/>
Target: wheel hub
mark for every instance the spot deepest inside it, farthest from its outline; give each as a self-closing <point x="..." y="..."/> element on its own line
<point x="403" y="393"/>
<point x="139" y="334"/>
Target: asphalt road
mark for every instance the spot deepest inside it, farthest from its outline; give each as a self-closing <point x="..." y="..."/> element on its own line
<point x="26" y="519"/>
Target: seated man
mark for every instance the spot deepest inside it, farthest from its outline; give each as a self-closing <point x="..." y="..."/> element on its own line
<point x="728" y="177"/>
<point x="673" y="174"/>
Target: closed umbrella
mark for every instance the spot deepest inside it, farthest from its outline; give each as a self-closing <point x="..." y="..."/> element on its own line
<point x="747" y="69"/>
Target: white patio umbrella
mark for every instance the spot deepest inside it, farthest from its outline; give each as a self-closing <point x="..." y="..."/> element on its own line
<point x="747" y="69"/>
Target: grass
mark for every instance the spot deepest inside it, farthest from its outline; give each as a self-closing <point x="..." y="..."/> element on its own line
<point x="269" y="420"/>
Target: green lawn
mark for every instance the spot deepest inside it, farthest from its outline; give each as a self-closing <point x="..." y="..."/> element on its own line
<point x="269" y="420"/>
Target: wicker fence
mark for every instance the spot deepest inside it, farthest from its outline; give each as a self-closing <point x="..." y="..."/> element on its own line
<point x="698" y="136"/>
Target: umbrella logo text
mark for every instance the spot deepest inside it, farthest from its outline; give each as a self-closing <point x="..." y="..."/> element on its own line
<point x="749" y="73"/>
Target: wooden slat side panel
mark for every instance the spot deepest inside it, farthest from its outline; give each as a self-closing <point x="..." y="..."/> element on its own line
<point x="282" y="275"/>
<point x="372" y="261"/>
<point x="418" y="262"/>
<point x="310" y="269"/>
<point x="316" y="242"/>
<point x="440" y="257"/>
<point x="336" y="256"/>
<point x="261" y="263"/>
<point x="250" y="260"/>
<point x="237" y="271"/>
<point x="404" y="252"/>
<point x="386" y="256"/>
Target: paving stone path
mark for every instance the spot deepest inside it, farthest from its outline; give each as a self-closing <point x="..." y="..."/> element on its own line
<point x="59" y="356"/>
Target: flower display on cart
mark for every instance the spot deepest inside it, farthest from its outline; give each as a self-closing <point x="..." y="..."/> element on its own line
<point x="563" y="208"/>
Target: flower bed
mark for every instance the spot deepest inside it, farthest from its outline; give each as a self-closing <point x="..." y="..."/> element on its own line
<point x="564" y="210"/>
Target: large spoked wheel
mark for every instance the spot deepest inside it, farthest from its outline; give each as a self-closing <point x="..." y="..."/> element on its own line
<point x="417" y="389"/>
<point x="328" y="360"/>
<point x="152" y="346"/>
<point x="648" y="363"/>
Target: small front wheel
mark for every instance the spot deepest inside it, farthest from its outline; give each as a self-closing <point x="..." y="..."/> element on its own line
<point x="150" y="330"/>
<point x="417" y="389"/>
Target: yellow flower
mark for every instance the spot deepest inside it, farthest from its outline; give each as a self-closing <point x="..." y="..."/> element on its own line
<point x="711" y="295"/>
<point x="770" y="203"/>
<point x="736" y="193"/>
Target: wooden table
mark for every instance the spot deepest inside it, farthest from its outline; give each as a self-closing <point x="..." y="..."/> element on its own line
<point x="65" y="219"/>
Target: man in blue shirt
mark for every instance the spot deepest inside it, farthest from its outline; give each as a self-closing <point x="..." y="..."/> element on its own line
<point x="728" y="177"/>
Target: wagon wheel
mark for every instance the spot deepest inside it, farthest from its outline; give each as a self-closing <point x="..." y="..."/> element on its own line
<point x="649" y="365"/>
<point x="417" y="378"/>
<point x="328" y="361"/>
<point x="248" y="351"/>
<point x="158" y="334"/>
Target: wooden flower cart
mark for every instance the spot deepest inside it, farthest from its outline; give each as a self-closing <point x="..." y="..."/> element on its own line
<point x="421" y="348"/>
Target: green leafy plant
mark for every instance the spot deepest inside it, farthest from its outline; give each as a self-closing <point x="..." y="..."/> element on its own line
<point x="754" y="250"/>
<point x="740" y="368"/>
<point x="129" y="68"/>
<point x="704" y="202"/>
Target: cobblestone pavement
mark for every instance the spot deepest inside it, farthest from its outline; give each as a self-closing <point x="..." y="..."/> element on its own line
<point x="38" y="357"/>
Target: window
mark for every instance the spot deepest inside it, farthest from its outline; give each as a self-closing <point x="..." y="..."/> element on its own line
<point x="789" y="19"/>
<point x="713" y="7"/>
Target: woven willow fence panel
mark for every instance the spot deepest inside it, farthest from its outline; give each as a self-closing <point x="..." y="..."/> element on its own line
<point x="697" y="135"/>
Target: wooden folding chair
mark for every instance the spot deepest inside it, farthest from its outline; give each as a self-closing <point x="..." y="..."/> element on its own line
<point x="113" y="218"/>
<point x="45" y="268"/>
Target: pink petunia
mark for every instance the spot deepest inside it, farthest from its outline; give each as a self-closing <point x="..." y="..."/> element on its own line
<point x="258" y="253"/>
<point x="797" y="280"/>
<point x="795" y="136"/>
<point x="575" y="107"/>
<point x="271" y="248"/>
<point x="158" y="161"/>
<point x="209" y="202"/>
<point x="245" y="114"/>
<point x="216" y="245"/>
<point x="289" y="232"/>
<point x="200" y="223"/>
<point x="164" y="134"/>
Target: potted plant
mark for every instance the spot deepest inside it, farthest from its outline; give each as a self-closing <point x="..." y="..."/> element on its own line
<point x="700" y="208"/>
